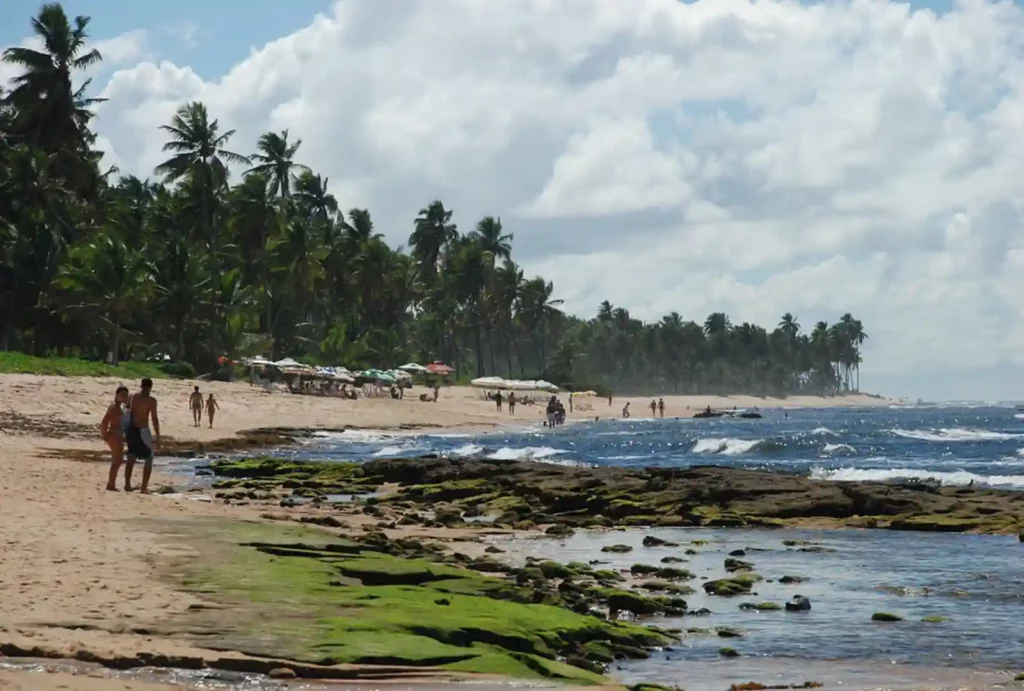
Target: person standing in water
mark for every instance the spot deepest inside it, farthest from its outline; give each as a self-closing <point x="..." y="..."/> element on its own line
<point x="141" y="442"/>
<point x="211" y="408"/>
<point x="661" y="407"/>
<point x="112" y="432"/>
<point x="195" y="401"/>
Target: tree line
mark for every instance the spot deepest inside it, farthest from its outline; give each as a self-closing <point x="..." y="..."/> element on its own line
<point x="224" y="253"/>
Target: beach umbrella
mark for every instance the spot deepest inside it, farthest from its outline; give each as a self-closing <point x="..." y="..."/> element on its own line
<point x="438" y="367"/>
<point x="546" y="386"/>
<point x="399" y="374"/>
<point x="290" y="363"/>
<point x="413" y="367"/>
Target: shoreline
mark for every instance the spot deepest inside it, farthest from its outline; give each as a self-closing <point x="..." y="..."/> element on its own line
<point x="84" y="572"/>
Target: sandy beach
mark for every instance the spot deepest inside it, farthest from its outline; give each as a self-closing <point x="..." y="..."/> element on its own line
<point x="76" y="564"/>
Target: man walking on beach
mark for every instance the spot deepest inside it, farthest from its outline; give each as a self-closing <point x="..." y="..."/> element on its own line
<point x="196" y="403"/>
<point x="141" y="443"/>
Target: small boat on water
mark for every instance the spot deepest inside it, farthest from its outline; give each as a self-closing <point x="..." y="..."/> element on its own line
<point x="750" y="415"/>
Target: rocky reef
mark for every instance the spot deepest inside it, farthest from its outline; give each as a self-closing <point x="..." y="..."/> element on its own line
<point x="525" y="495"/>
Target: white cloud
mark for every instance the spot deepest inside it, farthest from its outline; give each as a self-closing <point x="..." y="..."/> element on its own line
<point x="752" y="157"/>
<point x="120" y="50"/>
<point x="613" y="168"/>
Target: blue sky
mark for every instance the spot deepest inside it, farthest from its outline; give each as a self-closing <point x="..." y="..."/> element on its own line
<point x="208" y="35"/>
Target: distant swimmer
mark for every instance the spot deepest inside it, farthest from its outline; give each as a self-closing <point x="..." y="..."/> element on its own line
<point x="141" y="443"/>
<point x="211" y="408"/>
<point x="195" y="401"/>
<point x="625" y="410"/>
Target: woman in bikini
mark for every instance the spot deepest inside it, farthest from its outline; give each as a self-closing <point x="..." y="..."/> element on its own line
<point x="112" y="432"/>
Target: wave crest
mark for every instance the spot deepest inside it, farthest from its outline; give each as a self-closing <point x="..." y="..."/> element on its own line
<point x="948" y="434"/>
<point x="956" y="478"/>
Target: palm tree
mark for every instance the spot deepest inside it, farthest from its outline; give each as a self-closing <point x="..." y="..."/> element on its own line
<point x="199" y="158"/>
<point x="311" y="195"/>
<point x="470" y="267"/>
<point x="35" y="205"/>
<point x="359" y="227"/>
<point x="491" y="237"/>
<point x="538" y="309"/>
<point x="506" y="285"/>
<point x="716" y="324"/>
<point x="276" y="159"/>
<point x="48" y="111"/>
<point x="182" y="284"/>
<point x="433" y="232"/>
<point x="106" y="282"/>
<point x="789" y="325"/>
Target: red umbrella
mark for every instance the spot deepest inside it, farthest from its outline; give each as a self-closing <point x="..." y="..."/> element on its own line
<point x="439" y="367"/>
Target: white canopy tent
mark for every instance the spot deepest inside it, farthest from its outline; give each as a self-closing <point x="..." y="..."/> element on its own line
<point x="497" y="383"/>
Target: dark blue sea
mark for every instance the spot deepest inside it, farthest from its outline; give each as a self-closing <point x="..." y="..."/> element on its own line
<point x="954" y="445"/>
<point x="975" y="581"/>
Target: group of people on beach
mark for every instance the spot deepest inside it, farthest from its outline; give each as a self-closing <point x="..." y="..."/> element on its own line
<point x="125" y="427"/>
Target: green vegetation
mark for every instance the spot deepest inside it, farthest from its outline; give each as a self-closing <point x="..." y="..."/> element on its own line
<point x="225" y="253"/>
<point x="18" y="363"/>
<point x="730" y="587"/>
<point x="761" y="606"/>
<point x="311" y="598"/>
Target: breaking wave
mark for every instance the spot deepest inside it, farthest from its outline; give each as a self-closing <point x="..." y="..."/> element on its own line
<point x="525" y="453"/>
<point x="730" y="446"/>
<point x="954" y="434"/>
<point x="957" y="477"/>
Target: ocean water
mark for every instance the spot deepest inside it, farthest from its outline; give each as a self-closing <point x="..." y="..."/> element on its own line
<point x="953" y="445"/>
<point x="975" y="581"/>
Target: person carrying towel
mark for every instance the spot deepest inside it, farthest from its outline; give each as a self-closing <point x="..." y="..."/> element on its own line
<point x="141" y="443"/>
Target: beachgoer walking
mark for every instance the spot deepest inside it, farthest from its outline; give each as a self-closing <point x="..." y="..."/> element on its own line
<point x="654" y="407"/>
<point x="437" y="390"/>
<point x="570" y="401"/>
<point x="141" y="442"/>
<point x="498" y="398"/>
<point x="112" y="432"/>
<point x="511" y="402"/>
<point x="625" y="410"/>
<point x="609" y="399"/>
<point x="211" y="407"/>
<point x="661" y="407"/>
<point x="195" y="401"/>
